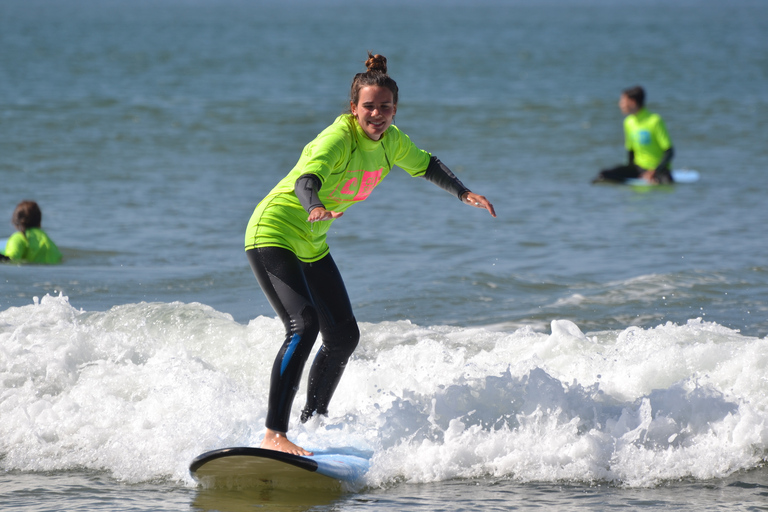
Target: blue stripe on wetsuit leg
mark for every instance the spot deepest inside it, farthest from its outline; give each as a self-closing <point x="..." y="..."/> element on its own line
<point x="289" y="352"/>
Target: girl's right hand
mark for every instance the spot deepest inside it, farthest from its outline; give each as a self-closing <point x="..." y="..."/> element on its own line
<point x="318" y="214"/>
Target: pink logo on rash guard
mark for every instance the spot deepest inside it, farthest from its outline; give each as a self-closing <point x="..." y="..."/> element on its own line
<point x="361" y="189"/>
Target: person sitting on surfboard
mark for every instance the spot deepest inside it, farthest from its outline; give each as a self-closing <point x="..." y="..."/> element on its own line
<point x="285" y="240"/>
<point x="30" y="243"/>
<point x="646" y="139"/>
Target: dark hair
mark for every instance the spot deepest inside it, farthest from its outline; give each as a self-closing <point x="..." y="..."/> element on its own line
<point x="636" y="94"/>
<point x="376" y="75"/>
<point x="27" y="215"/>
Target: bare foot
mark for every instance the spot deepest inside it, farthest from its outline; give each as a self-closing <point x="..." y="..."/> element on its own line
<point x="278" y="442"/>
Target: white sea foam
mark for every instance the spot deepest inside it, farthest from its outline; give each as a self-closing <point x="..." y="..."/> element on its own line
<point x="141" y="389"/>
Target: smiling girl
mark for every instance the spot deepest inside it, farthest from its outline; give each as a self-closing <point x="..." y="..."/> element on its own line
<point x="285" y="241"/>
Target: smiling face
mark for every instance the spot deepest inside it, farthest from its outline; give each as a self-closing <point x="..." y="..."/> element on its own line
<point x="375" y="110"/>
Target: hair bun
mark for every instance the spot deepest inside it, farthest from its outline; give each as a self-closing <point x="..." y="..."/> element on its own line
<point x="376" y="75"/>
<point x="376" y="63"/>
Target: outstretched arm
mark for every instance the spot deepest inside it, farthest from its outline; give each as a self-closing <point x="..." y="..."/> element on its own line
<point x="440" y="175"/>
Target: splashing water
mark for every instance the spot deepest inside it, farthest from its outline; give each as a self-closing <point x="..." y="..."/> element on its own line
<point x="140" y="389"/>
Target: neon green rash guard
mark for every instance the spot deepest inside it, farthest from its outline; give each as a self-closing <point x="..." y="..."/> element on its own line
<point x="646" y="135"/>
<point x="34" y="246"/>
<point x="349" y="166"/>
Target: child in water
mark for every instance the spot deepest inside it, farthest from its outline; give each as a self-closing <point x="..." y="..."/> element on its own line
<point x="648" y="144"/>
<point x="30" y="243"/>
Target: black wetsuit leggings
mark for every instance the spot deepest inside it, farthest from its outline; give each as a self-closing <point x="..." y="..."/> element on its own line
<point x="309" y="298"/>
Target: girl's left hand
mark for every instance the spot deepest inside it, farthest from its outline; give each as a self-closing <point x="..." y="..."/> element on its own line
<point x="478" y="201"/>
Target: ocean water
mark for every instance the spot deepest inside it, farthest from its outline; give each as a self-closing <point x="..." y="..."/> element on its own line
<point x="592" y="348"/>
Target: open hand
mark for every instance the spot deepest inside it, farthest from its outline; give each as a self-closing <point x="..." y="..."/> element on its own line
<point x="321" y="213"/>
<point x="478" y="201"/>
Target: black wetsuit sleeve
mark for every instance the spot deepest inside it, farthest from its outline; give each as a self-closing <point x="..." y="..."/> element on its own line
<point x="631" y="156"/>
<point x="307" y="188"/>
<point x="666" y="159"/>
<point x="442" y="176"/>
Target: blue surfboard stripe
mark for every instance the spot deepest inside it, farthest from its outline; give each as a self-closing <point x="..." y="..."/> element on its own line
<point x="341" y="466"/>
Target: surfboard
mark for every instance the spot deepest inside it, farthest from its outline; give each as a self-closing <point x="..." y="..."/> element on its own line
<point x="246" y="467"/>
<point x="678" y="175"/>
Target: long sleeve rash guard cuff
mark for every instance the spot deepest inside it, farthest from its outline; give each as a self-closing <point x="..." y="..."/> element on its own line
<point x="307" y="188"/>
<point x="442" y="176"/>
